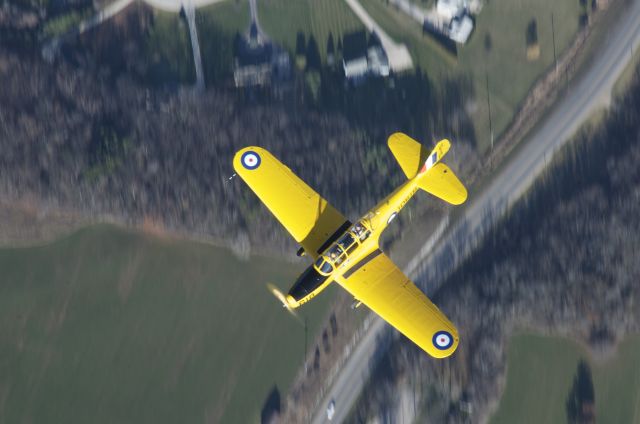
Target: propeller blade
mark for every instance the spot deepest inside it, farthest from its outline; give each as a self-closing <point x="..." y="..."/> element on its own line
<point x="275" y="291"/>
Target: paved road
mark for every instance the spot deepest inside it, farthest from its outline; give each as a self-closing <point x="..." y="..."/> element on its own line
<point x="398" y="54"/>
<point x="175" y="5"/>
<point x="50" y="48"/>
<point x="253" y="7"/>
<point x="190" y="13"/>
<point x="591" y="92"/>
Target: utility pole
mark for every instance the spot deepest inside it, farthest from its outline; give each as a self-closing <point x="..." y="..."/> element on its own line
<point x="305" y="344"/>
<point x="553" y="35"/>
<point x="489" y="105"/>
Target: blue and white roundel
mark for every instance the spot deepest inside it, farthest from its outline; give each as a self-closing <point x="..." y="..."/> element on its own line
<point x="250" y="160"/>
<point x="442" y="340"/>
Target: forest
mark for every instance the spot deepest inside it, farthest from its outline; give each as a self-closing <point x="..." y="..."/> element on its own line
<point x="563" y="262"/>
<point x="97" y="138"/>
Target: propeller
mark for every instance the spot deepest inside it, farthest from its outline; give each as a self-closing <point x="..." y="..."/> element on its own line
<point x="280" y="296"/>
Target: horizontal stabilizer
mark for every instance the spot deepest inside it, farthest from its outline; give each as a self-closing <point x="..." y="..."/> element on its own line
<point x="440" y="181"/>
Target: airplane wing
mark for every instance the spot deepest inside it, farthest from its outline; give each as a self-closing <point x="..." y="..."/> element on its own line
<point x="309" y="218"/>
<point x="378" y="283"/>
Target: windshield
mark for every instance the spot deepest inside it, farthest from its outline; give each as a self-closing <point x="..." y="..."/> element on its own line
<point x="323" y="265"/>
<point x="326" y="268"/>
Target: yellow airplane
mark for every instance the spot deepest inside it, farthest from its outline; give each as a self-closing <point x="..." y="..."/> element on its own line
<point x="348" y="253"/>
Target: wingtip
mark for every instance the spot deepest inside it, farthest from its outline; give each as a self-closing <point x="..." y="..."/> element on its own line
<point x="463" y="196"/>
<point x="252" y="162"/>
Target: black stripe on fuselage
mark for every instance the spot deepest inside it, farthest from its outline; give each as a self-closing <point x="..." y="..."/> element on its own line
<point x="362" y="263"/>
<point x="334" y="236"/>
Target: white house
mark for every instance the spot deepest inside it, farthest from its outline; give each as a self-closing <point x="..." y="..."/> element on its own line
<point x="460" y="28"/>
<point x="449" y="9"/>
<point x="378" y="63"/>
<point x="355" y="67"/>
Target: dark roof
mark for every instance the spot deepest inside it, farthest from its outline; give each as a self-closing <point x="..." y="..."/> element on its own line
<point x="252" y="55"/>
<point x="253" y="31"/>
<point x="354" y="45"/>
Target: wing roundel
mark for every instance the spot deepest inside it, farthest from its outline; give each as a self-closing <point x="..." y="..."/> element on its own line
<point x="308" y="217"/>
<point x="378" y="283"/>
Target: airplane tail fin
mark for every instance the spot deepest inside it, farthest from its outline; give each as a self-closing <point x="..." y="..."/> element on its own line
<point x="432" y="176"/>
<point x="409" y="153"/>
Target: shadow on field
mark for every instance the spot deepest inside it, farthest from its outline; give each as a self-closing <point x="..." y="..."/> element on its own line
<point x="581" y="400"/>
<point x="271" y="407"/>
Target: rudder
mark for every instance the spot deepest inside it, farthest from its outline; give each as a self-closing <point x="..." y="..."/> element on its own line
<point x="409" y="153"/>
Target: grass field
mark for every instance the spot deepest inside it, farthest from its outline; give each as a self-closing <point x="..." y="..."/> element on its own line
<point x="217" y="26"/>
<point x="107" y="326"/>
<point x="541" y="371"/>
<point x="228" y="16"/>
<point x="282" y="19"/>
<point x="169" y="50"/>
<point x="504" y="62"/>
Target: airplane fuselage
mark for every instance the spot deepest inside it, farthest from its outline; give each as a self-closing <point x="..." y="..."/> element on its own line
<point x="353" y="248"/>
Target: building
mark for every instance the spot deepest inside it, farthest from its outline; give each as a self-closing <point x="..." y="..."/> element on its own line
<point x="460" y="28"/>
<point x="449" y="9"/>
<point x="377" y="61"/>
<point x="453" y="17"/>
<point x="362" y="57"/>
<point x="257" y="61"/>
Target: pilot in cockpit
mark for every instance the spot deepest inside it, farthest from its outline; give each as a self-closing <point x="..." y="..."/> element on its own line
<point x="335" y="255"/>
<point x="360" y="231"/>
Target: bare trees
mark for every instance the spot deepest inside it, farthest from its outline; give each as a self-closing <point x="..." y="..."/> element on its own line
<point x="564" y="262"/>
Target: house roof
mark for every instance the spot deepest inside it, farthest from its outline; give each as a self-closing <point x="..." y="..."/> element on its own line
<point x="354" y="45"/>
<point x="246" y="54"/>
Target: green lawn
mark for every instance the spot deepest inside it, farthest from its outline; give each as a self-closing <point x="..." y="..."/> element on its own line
<point x="217" y="26"/>
<point x="282" y="19"/>
<point x="427" y="53"/>
<point x="168" y="48"/>
<point x="510" y="74"/>
<point x="108" y="326"/>
<point x="228" y="16"/>
<point x="541" y="371"/>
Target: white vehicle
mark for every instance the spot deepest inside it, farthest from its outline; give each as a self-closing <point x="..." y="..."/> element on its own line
<point x="331" y="409"/>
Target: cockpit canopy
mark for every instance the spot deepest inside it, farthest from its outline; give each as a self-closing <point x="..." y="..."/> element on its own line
<point x="339" y="251"/>
<point x="318" y="273"/>
<point x="323" y="265"/>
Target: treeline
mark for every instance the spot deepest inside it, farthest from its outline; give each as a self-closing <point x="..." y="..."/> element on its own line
<point x="25" y="23"/>
<point x="409" y="101"/>
<point x="564" y="262"/>
<point x="85" y="135"/>
<point x="115" y="149"/>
